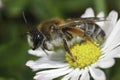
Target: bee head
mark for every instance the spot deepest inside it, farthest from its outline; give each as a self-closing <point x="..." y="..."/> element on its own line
<point x="35" y="38"/>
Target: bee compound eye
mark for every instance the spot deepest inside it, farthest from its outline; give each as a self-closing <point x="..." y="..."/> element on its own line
<point x="40" y="36"/>
<point x="38" y="39"/>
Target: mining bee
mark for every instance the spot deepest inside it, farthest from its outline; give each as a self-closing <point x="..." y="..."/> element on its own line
<point x="65" y="30"/>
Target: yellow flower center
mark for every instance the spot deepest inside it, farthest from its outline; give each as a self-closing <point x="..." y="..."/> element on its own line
<point x="85" y="54"/>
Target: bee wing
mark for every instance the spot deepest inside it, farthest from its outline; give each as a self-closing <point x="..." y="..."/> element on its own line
<point x="86" y="20"/>
<point x="79" y="21"/>
<point x="75" y="31"/>
<point x="73" y="26"/>
<point x="94" y="18"/>
<point x="78" y="32"/>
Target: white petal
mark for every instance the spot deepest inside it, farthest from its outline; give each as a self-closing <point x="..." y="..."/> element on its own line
<point x="88" y="13"/>
<point x="106" y="63"/>
<point x="74" y="75"/>
<point x="100" y="23"/>
<point x="36" y="52"/>
<point x="113" y="15"/>
<point x="39" y="52"/>
<point x="52" y="74"/>
<point x="68" y="76"/>
<point x="45" y="63"/>
<point x="100" y="15"/>
<point x="113" y="39"/>
<point x="95" y="64"/>
<point x="115" y="53"/>
<point x="97" y="74"/>
<point x="112" y="18"/>
<point x="85" y="75"/>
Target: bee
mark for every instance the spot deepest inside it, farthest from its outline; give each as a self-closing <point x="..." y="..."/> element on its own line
<point x="65" y="30"/>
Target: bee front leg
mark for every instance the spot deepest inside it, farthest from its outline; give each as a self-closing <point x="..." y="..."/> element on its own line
<point x="45" y="51"/>
<point x="67" y="49"/>
<point x="87" y="37"/>
<point x="44" y="47"/>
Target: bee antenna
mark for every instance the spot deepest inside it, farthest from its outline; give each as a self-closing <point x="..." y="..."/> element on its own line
<point x="23" y="14"/>
<point x="26" y="22"/>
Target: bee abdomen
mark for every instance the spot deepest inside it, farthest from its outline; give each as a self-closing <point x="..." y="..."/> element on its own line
<point x="99" y="35"/>
<point x="93" y="30"/>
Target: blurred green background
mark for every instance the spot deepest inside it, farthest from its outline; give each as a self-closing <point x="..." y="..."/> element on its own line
<point x="13" y="43"/>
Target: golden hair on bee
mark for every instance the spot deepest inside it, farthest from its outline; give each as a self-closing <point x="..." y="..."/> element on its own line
<point x="56" y="21"/>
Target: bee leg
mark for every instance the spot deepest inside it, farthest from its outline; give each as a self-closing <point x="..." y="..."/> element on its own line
<point x="86" y="36"/>
<point x="68" y="36"/>
<point x="45" y="47"/>
<point x="45" y="51"/>
<point x="67" y="49"/>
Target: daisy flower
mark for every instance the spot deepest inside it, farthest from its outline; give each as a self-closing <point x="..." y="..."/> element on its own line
<point x="90" y="58"/>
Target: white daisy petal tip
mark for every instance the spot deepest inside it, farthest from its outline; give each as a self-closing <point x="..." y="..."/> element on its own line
<point x="88" y="13"/>
<point x="106" y="63"/>
<point x="117" y="56"/>
<point x="85" y="75"/>
<point x="97" y="74"/>
<point x="30" y="63"/>
<point x="36" y="52"/>
<point x="101" y="15"/>
<point x="77" y="73"/>
<point x="40" y="77"/>
<point x="113" y="16"/>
